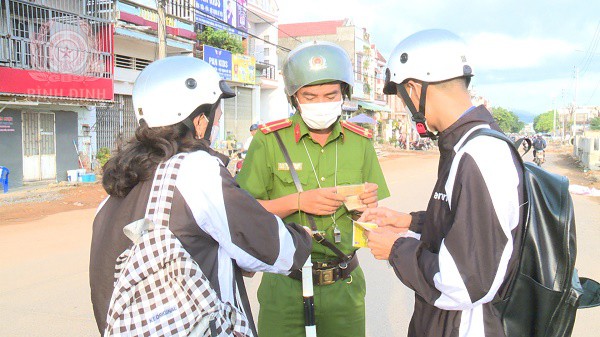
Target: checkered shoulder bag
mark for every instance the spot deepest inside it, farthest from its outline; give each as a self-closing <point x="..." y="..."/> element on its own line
<point x="159" y="289"/>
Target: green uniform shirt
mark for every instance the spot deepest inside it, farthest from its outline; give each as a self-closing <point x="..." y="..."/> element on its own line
<point x="265" y="174"/>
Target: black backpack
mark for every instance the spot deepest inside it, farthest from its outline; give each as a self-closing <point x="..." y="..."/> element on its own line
<point x="545" y="292"/>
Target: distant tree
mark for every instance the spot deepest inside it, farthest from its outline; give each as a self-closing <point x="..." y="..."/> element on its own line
<point x="221" y="39"/>
<point x="595" y="123"/>
<point x="103" y="155"/>
<point x="508" y="121"/>
<point x="544" y="122"/>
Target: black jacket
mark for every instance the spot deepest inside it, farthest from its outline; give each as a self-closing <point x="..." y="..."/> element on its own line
<point x="465" y="251"/>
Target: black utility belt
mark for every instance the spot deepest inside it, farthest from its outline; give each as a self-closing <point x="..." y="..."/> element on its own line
<point x="326" y="273"/>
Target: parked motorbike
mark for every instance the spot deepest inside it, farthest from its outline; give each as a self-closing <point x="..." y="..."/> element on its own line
<point x="239" y="162"/>
<point x="420" y="145"/>
<point x="539" y="157"/>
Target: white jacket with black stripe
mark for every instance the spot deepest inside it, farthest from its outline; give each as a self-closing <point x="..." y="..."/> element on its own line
<point x="466" y="249"/>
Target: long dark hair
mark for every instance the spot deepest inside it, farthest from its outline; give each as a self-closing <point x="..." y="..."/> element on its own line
<point x="138" y="158"/>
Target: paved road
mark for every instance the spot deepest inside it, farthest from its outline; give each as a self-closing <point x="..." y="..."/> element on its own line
<point x="44" y="265"/>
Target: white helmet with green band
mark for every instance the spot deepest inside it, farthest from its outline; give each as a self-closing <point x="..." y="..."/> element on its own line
<point x="317" y="62"/>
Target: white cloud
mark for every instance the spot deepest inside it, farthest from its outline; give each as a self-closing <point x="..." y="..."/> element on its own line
<point x="539" y="96"/>
<point x="498" y="51"/>
<point x="523" y="54"/>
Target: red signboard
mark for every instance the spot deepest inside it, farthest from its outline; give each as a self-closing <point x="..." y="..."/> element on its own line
<point x="41" y="83"/>
<point x="137" y="20"/>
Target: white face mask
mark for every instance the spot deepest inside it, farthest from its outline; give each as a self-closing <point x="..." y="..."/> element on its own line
<point x="320" y="116"/>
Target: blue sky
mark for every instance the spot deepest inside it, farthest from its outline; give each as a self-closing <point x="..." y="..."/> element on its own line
<point x="524" y="52"/>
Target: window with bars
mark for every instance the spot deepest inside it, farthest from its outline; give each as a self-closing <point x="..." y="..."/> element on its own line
<point x="358" y="71"/>
<point x="130" y="62"/>
<point x="180" y="8"/>
<point x="20" y="49"/>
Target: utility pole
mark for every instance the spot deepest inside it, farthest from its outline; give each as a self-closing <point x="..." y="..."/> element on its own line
<point x="162" y="28"/>
<point x="554" y="117"/>
<point x="576" y="85"/>
<point x="574" y="111"/>
<point x="562" y="118"/>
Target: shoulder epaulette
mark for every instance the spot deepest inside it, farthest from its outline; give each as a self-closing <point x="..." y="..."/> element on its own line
<point x="357" y="129"/>
<point x="275" y="125"/>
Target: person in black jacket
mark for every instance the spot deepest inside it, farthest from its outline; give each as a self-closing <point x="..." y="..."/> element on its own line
<point x="458" y="254"/>
<point x="539" y="144"/>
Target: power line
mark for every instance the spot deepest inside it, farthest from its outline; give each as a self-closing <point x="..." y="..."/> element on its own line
<point x="593" y="93"/>
<point x="587" y="59"/>
<point x="265" y="20"/>
<point x="250" y="34"/>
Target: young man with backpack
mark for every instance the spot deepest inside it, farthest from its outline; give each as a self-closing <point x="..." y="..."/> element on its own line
<point x="198" y="228"/>
<point x="458" y="254"/>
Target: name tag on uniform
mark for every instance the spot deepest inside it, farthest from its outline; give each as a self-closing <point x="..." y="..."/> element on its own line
<point x="285" y="167"/>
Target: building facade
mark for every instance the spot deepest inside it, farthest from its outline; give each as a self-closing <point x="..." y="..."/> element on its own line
<point x="263" y="24"/>
<point x="572" y="121"/>
<point x="56" y="66"/>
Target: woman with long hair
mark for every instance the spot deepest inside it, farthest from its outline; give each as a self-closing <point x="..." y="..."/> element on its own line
<point x="224" y="229"/>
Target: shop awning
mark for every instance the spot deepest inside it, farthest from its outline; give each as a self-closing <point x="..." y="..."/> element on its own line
<point x="373" y="106"/>
<point x="362" y="118"/>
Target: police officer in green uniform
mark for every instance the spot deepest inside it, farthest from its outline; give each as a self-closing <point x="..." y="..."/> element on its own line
<point x="326" y="153"/>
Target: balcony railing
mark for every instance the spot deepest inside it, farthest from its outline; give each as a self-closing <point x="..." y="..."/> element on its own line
<point x="71" y="37"/>
<point x="266" y="70"/>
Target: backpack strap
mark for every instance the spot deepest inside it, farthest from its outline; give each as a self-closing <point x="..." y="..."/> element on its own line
<point x="163" y="187"/>
<point x="501" y="304"/>
<point x="499" y="135"/>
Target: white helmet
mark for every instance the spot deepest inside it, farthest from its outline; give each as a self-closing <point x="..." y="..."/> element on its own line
<point x="429" y="56"/>
<point x="432" y="55"/>
<point x="169" y="90"/>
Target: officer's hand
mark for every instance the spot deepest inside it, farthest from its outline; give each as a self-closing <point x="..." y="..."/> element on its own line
<point x="384" y="217"/>
<point x="380" y="241"/>
<point x="321" y="201"/>
<point x="369" y="196"/>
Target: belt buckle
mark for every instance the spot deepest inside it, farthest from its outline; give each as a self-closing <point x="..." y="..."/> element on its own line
<point x="325" y="276"/>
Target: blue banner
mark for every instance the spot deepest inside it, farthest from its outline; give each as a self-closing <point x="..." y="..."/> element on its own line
<point x="213" y="8"/>
<point x="220" y="59"/>
<point x="203" y="19"/>
<point x="242" y="15"/>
